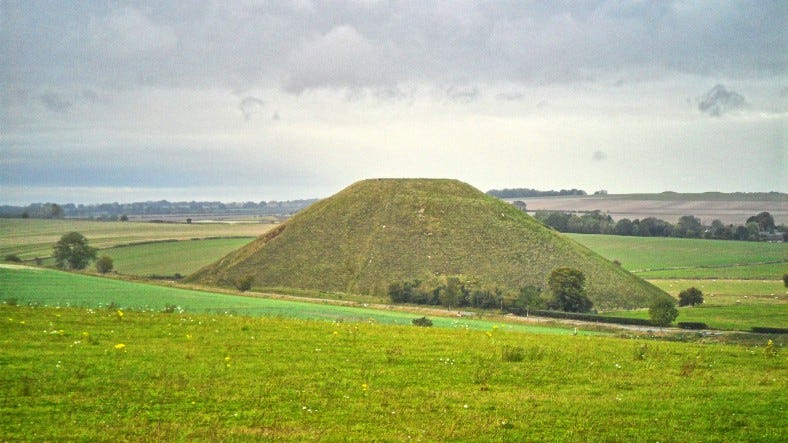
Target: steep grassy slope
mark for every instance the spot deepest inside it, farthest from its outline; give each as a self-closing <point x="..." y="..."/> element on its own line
<point x="376" y="232"/>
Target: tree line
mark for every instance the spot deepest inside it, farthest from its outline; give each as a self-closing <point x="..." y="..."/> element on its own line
<point x="116" y="210"/>
<point x="759" y="227"/>
<point x="566" y="294"/>
<point x="527" y="192"/>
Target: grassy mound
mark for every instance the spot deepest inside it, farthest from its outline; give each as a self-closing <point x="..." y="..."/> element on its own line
<point x="377" y="232"/>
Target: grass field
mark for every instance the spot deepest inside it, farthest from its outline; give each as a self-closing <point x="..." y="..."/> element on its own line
<point x="771" y="271"/>
<point x="94" y="375"/>
<point x="168" y="258"/>
<point x="34" y="238"/>
<point x="690" y="257"/>
<point x="728" y="317"/>
<point x="728" y="292"/>
<point x="62" y="289"/>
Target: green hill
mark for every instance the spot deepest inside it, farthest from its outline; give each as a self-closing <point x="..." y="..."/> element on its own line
<point x="381" y="231"/>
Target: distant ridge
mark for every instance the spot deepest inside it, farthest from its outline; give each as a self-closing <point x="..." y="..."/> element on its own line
<point x="377" y="232"/>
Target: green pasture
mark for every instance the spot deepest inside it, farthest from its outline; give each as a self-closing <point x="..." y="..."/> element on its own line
<point x="656" y="257"/>
<point x="728" y="292"/>
<point x="728" y="304"/>
<point x="47" y="287"/>
<point x="31" y="238"/>
<point x="168" y="258"/>
<point x="769" y="271"/>
<point x="82" y="374"/>
<point x="740" y="317"/>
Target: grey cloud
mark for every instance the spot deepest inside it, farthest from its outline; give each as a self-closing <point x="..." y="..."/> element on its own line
<point x="127" y="32"/>
<point x="598" y="156"/>
<point x="510" y="96"/>
<point x="462" y="94"/>
<point x="305" y="45"/>
<point x="719" y="101"/>
<point x="55" y="102"/>
<point x="250" y="106"/>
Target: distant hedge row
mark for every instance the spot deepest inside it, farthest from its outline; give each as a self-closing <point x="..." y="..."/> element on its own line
<point x="692" y="325"/>
<point x="594" y="318"/>
<point x="768" y="330"/>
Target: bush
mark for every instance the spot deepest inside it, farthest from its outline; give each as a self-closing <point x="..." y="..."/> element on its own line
<point x="769" y="330"/>
<point x="423" y="321"/>
<point x="663" y="310"/>
<point x="13" y="258"/>
<point x="692" y="325"/>
<point x="785" y="280"/>
<point x="593" y="318"/>
<point x="244" y="283"/>
<point x="691" y="297"/>
<point x="104" y="264"/>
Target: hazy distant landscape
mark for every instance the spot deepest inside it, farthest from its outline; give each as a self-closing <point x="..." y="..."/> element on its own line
<point x="728" y="208"/>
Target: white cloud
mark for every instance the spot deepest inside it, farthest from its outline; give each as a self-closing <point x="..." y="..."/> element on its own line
<point x="341" y="58"/>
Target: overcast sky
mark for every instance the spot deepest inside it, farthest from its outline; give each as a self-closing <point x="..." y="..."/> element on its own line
<point x="258" y="100"/>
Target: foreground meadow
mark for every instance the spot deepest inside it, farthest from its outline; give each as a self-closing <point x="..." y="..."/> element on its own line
<point x="108" y="375"/>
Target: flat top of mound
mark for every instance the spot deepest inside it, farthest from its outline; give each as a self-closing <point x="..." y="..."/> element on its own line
<point x="380" y="231"/>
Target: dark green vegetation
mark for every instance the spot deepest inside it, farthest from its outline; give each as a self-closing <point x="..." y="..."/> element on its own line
<point x="691" y="297"/>
<point x="662" y="311"/>
<point x="73" y="252"/>
<point x="379" y="232"/>
<point x="568" y="288"/>
<point x="104" y="375"/>
<point x="759" y="227"/>
<point x="104" y="264"/>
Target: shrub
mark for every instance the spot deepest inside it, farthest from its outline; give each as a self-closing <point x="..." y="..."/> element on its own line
<point x="692" y="325"/>
<point x="169" y="309"/>
<point x="13" y="258"/>
<point x="593" y="318"/>
<point x="785" y="279"/>
<point x="104" y="264"/>
<point x="244" y="283"/>
<point x="663" y="310"/>
<point x="512" y="353"/>
<point x="690" y="297"/>
<point x="423" y="322"/>
<point x="768" y="330"/>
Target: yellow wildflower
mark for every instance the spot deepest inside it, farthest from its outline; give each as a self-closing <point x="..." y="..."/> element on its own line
<point x="120" y="346"/>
